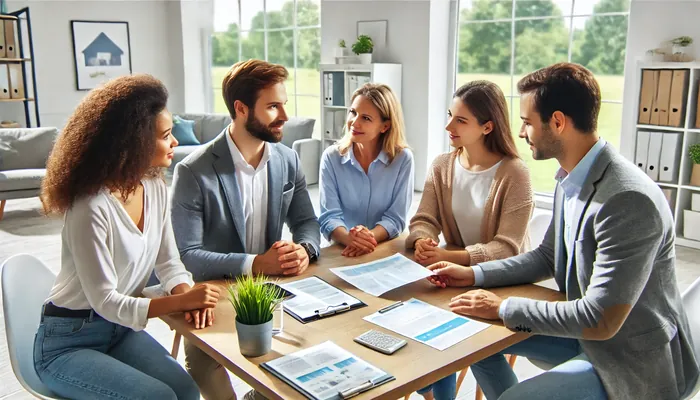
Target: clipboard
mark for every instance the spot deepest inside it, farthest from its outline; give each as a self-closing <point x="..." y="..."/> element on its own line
<point x="340" y="395"/>
<point x="327" y="311"/>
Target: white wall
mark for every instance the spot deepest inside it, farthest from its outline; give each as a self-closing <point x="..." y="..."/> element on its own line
<point x="650" y="24"/>
<point x="156" y="37"/>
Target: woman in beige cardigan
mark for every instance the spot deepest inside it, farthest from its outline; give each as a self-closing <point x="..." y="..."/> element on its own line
<point x="479" y="195"/>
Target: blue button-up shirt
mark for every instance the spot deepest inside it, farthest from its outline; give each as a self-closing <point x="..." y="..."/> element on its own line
<point x="351" y="197"/>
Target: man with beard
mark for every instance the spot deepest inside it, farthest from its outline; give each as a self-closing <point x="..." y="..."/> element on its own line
<point x="231" y="197"/>
<point x="622" y="332"/>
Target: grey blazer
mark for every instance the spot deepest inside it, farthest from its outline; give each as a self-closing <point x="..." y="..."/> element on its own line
<point x="207" y="214"/>
<point x="623" y="255"/>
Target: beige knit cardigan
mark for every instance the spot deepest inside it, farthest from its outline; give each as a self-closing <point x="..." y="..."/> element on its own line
<point x="507" y="210"/>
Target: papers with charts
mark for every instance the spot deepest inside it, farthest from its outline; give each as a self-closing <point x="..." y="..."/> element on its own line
<point x="381" y="276"/>
<point x="314" y="294"/>
<point x="427" y="324"/>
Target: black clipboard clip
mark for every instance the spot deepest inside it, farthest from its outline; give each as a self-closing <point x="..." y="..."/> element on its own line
<point x="332" y="310"/>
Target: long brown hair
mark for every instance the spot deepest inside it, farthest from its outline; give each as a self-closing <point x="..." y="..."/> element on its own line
<point x="384" y="99"/>
<point x="486" y="101"/>
<point x="246" y="79"/>
<point x="108" y="142"/>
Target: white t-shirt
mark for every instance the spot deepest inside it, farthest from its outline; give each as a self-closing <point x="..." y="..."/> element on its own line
<point x="106" y="260"/>
<point x="469" y="193"/>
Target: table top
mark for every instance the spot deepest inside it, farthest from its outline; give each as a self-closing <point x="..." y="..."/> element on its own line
<point x="414" y="366"/>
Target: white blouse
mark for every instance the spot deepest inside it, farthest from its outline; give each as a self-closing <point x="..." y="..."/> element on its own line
<point x="469" y="193"/>
<point x="106" y="260"/>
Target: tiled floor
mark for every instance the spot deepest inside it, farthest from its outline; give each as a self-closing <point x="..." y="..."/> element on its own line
<point x="25" y="230"/>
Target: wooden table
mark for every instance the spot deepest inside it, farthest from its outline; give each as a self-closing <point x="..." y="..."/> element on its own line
<point x="414" y="366"/>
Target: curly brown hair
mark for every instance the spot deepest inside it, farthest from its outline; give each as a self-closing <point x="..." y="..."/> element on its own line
<point x="109" y="142"/>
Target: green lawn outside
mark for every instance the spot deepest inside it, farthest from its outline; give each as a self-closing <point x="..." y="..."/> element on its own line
<point x="542" y="172"/>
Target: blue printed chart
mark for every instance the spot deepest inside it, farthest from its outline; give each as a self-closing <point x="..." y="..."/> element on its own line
<point x="427" y="324"/>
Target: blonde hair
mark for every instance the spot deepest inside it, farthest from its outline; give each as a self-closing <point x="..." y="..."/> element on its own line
<point x="384" y="99"/>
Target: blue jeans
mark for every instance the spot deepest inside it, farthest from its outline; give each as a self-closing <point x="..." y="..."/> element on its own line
<point x="444" y="389"/>
<point x="92" y="358"/>
<point x="574" y="377"/>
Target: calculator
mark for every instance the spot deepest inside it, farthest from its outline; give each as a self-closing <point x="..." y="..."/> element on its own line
<point x="380" y="341"/>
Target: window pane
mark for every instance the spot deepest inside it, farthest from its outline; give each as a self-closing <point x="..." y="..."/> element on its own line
<point x="219" y="105"/>
<point x="252" y="15"/>
<point x="599" y="45"/>
<point x="610" y="123"/>
<point x="280" y="14"/>
<point x="484" y="53"/>
<point x="280" y="48"/>
<point x="308" y="59"/>
<point x="308" y="12"/>
<point x="225" y="14"/>
<point x="310" y="106"/>
<point x="543" y="8"/>
<point x="588" y="7"/>
<point x="291" y="106"/>
<point x="253" y="45"/>
<point x="539" y="43"/>
<point x="224" y="47"/>
<point x="479" y="10"/>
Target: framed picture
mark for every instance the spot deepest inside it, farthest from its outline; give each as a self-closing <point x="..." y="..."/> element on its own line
<point x="101" y="50"/>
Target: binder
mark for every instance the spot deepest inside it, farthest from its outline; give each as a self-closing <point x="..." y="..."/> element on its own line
<point x="648" y="92"/>
<point x="654" y="154"/>
<point x="330" y="89"/>
<point x="10" y="39"/>
<point x="2" y="39"/>
<point x="329" y="124"/>
<point x="4" y="82"/>
<point x="339" y="125"/>
<point x="640" y="157"/>
<point x="16" y="82"/>
<point x="668" y="162"/>
<point x="663" y="96"/>
<point x="697" y="114"/>
<point x="352" y="86"/>
<point x="676" y="106"/>
<point x="326" y="90"/>
<point x="337" y="88"/>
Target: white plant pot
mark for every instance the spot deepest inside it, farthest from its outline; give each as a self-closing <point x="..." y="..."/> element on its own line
<point x="691" y="224"/>
<point x="678" y="49"/>
<point x="695" y="202"/>
<point x="340" y="51"/>
<point x="366" y="58"/>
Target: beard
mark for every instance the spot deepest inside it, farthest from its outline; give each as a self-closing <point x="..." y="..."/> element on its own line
<point x="262" y="131"/>
<point x="548" y="146"/>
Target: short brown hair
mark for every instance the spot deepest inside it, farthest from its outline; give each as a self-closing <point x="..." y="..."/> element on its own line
<point x="109" y="142"/>
<point x="566" y="87"/>
<point x="246" y="79"/>
<point x="486" y="101"/>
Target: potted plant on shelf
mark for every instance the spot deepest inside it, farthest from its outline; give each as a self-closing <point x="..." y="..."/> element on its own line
<point x="254" y="303"/>
<point x="695" y="159"/>
<point x="340" y="51"/>
<point x="679" y="44"/>
<point x="363" y="48"/>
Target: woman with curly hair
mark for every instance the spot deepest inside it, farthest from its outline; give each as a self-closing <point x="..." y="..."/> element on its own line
<point x="104" y="176"/>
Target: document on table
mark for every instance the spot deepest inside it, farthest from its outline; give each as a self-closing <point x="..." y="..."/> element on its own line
<point x="427" y="324"/>
<point x="380" y="276"/>
<point x="327" y="371"/>
<point x="313" y="296"/>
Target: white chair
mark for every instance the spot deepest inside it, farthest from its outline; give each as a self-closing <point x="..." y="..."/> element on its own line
<point x="26" y="283"/>
<point x="691" y="303"/>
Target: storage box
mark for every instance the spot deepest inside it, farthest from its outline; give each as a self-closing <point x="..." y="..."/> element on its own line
<point x="695" y="202"/>
<point x="691" y="224"/>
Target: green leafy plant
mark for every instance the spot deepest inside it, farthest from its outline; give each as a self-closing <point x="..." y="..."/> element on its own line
<point x="682" y="41"/>
<point x="253" y="301"/>
<point x="341" y="43"/>
<point x="363" y="45"/>
<point x="695" y="153"/>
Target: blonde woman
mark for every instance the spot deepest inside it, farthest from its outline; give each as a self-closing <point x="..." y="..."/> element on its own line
<point x="367" y="178"/>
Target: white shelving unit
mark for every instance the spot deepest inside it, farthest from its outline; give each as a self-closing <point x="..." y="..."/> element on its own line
<point x="681" y="199"/>
<point x="333" y="115"/>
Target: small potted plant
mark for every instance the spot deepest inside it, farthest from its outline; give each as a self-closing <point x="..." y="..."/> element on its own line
<point x="655" y="55"/>
<point x="340" y="51"/>
<point x="254" y="303"/>
<point x="695" y="159"/>
<point x="363" y="48"/>
<point x="680" y="43"/>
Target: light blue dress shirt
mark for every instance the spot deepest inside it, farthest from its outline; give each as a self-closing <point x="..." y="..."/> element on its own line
<point x="351" y="197"/>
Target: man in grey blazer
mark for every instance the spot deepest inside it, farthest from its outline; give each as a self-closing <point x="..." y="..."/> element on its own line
<point x="622" y="332"/>
<point x="231" y="197"/>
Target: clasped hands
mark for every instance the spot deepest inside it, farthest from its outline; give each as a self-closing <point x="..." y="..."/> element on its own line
<point x="361" y="242"/>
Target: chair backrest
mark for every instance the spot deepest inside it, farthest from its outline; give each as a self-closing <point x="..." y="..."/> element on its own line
<point x="26" y="283"/>
<point x="538" y="227"/>
<point x="691" y="304"/>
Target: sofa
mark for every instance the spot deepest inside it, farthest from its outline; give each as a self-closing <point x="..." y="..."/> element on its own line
<point x="296" y="135"/>
<point x="23" y="155"/>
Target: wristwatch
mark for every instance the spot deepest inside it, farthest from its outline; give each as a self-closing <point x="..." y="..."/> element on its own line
<point x="310" y="250"/>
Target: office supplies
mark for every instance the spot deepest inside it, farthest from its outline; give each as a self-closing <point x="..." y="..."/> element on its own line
<point x="380" y="341"/>
<point x="663" y="95"/>
<point x="11" y="50"/>
<point x="648" y="92"/>
<point x="670" y="157"/>
<point x="4" y="82"/>
<point x="676" y="106"/>
<point x="390" y="307"/>
<point x="16" y="82"/>
<point x="642" y="150"/>
<point x="381" y="276"/>
<point x="315" y="298"/>
<point x="427" y="324"/>
<point x="327" y="371"/>
<point x="654" y="154"/>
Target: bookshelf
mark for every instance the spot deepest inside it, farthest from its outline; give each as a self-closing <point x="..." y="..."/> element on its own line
<point x="677" y="189"/>
<point x="22" y="65"/>
<point x="346" y="78"/>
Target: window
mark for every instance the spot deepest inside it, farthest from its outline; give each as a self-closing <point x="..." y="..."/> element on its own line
<point x="286" y="32"/>
<point x="504" y="40"/>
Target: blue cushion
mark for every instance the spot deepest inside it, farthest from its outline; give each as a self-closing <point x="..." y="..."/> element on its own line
<point x="183" y="130"/>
